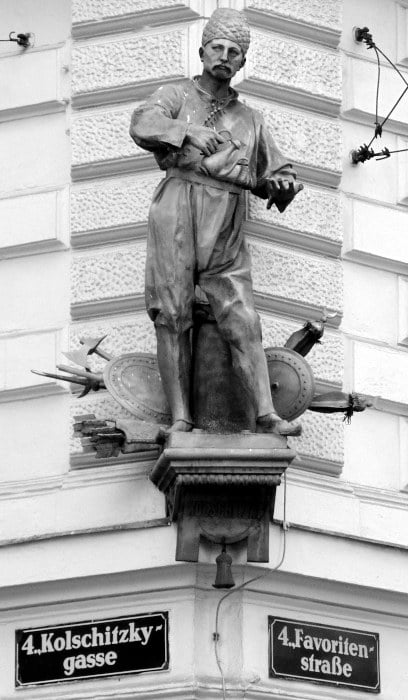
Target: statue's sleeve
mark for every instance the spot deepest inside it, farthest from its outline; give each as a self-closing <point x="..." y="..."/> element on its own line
<point x="270" y="163"/>
<point x="154" y="124"/>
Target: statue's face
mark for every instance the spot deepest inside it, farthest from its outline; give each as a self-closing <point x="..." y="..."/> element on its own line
<point x="222" y="58"/>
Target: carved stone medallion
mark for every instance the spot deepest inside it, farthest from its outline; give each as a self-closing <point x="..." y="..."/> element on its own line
<point x="292" y="382"/>
<point x="134" y="381"/>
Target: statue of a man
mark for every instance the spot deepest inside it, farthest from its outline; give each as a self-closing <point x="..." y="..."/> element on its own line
<point x="213" y="147"/>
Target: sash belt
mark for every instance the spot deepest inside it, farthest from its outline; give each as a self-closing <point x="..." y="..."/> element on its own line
<point x="193" y="176"/>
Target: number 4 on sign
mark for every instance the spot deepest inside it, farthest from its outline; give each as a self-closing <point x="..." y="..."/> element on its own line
<point x="28" y="645"/>
<point x="283" y="636"/>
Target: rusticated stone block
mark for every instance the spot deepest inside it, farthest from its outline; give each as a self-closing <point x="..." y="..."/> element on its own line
<point x="323" y="13"/>
<point x="301" y="278"/>
<point x="322" y="436"/>
<point x="326" y="358"/>
<point x="304" y="138"/>
<point x="99" y="137"/>
<point x="108" y="274"/>
<point x="294" y="66"/>
<point x="315" y="212"/>
<point x="110" y="64"/>
<point x="112" y="203"/>
<point x="88" y="10"/>
<point x="277" y="272"/>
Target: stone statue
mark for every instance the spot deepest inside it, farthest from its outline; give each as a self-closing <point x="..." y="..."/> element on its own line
<point x="213" y="147"/>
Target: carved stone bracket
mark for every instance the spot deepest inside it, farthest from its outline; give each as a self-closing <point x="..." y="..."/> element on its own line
<point x="221" y="487"/>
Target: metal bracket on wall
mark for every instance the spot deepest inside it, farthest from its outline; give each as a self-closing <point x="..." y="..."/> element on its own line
<point x="365" y="152"/>
<point x="26" y="39"/>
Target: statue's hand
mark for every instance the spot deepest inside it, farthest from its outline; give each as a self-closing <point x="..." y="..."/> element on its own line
<point x="281" y="190"/>
<point x="205" y="139"/>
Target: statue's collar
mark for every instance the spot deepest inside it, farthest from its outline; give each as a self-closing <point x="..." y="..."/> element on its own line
<point x="232" y="94"/>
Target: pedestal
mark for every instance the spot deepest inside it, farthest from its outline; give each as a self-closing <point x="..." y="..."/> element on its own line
<point x="222" y="487"/>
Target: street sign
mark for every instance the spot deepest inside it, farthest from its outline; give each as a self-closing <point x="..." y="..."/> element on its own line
<point x="306" y="651"/>
<point x="92" y="649"/>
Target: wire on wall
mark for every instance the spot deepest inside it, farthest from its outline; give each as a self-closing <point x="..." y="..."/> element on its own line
<point x="365" y="152"/>
<point x="285" y="527"/>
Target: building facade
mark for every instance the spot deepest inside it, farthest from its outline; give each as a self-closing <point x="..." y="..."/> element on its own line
<point x="88" y="541"/>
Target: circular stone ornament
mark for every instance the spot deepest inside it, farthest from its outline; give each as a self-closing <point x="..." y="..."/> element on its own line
<point x="291" y="380"/>
<point x="134" y="382"/>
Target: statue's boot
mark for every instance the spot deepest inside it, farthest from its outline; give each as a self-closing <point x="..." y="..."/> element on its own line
<point x="271" y="423"/>
<point x="174" y="360"/>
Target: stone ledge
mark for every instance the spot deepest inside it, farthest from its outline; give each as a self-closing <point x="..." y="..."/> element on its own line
<point x="293" y="97"/>
<point x="79" y="461"/>
<point x="116" y="166"/>
<point x="39" y="110"/>
<point x="269" y="304"/>
<point x="113" y="235"/>
<point x="31" y="392"/>
<point x="319" y="13"/>
<point x="118" y="94"/>
<point x="265" y="18"/>
<point x="107" y="307"/>
<point x="314" y="465"/>
<point x="376" y="261"/>
<point x="295" y="240"/>
<point x="80" y="532"/>
<point x="49" y="246"/>
<point x="115" y="23"/>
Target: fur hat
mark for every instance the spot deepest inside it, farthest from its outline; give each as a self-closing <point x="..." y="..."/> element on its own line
<point x="227" y="24"/>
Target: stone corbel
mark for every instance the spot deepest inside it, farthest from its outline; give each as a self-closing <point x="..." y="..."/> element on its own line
<point x="221" y="488"/>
